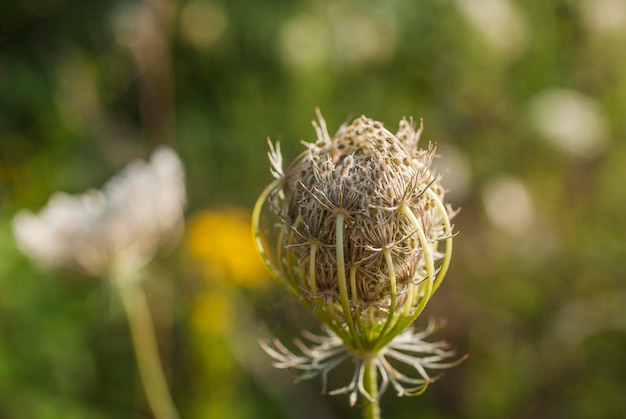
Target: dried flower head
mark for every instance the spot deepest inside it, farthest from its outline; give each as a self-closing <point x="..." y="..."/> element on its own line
<point x="363" y="237"/>
<point x="119" y="227"/>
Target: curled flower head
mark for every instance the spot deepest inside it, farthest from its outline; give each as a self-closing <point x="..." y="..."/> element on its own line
<point x="363" y="235"/>
<point x="117" y="228"/>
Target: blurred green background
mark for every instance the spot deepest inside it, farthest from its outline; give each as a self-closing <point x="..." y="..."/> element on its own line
<point x="526" y="100"/>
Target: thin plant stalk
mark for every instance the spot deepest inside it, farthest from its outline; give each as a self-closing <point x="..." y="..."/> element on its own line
<point x="371" y="408"/>
<point x="146" y="351"/>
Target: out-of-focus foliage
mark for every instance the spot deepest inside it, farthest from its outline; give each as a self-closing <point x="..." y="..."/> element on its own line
<point x="526" y="100"/>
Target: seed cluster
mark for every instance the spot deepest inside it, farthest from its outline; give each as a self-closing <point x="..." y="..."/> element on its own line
<point x="361" y="220"/>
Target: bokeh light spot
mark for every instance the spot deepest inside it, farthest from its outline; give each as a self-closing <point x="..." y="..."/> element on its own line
<point x="202" y="23"/>
<point x="508" y="205"/>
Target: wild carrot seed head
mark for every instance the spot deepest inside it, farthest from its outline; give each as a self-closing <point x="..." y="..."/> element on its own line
<point x="364" y="235"/>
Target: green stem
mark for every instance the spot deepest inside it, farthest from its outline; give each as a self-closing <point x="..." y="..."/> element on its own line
<point x="342" y="282"/>
<point x="145" y="344"/>
<point x="393" y="293"/>
<point x="448" y="232"/>
<point x="371" y="409"/>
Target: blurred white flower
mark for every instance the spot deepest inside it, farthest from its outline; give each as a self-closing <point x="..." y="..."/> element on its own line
<point x="361" y="39"/>
<point x="202" y="23"/>
<point x="118" y="228"/>
<point x="342" y="35"/>
<point x="572" y="121"/>
<point x="604" y="17"/>
<point x="501" y="24"/>
<point x="304" y="41"/>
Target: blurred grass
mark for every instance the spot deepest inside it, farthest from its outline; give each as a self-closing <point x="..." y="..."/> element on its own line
<point x="75" y="106"/>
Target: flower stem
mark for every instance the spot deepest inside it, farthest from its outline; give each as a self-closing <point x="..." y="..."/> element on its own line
<point x="371" y="409"/>
<point x="145" y="344"/>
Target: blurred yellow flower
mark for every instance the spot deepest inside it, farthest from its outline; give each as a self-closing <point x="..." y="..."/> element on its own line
<point x="220" y="242"/>
<point x="212" y="313"/>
